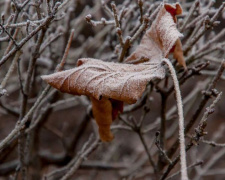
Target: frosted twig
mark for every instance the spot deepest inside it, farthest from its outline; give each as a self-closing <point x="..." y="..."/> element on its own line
<point x="199" y="87"/>
<point x="205" y="99"/>
<point x="11" y="69"/>
<point x="214" y="144"/>
<point x="106" y="8"/>
<point x="145" y="24"/>
<point x="216" y="157"/>
<point x="117" y="23"/>
<point x="201" y="54"/>
<point x="123" y="13"/>
<point x="209" y="22"/>
<point x="191" y="11"/>
<point x="22" y="24"/>
<point x="9" y="109"/>
<point x="81" y="156"/>
<point x="7" y="140"/>
<point x="157" y="143"/>
<point x="125" y="47"/>
<point x="210" y="42"/>
<point x="212" y="73"/>
<point x="48" y="7"/>
<point x="199" y="30"/>
<point x="63" y="4"/>
<point x="10" y="37"/>
<point x="121" y="127"/>
<point x="210" y="109"/>
<point x="142" y="28"/>
<point x="103" y="21"/>
<point x="147" y="151"/>
<point x="197" y="20"/>
<point x="28" y="37"/>
<point x="201" y="16"/>
<point x="66" y="51"/>
<point x="140" y="4"/>
<point x="209" y="50"/>
<point x="212" y="59"/>
<point x="11" y="42"/>
<point x="189" y="167"/>
<point x="49" y="41"/>
<point x="184" y="175"/>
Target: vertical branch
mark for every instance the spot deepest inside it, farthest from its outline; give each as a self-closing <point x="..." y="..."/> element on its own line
<point x="184" y="175"/>
<point x="61" y="65"/>
<point x="25" y="95"/>
<point x="207" y="95"/>
<point x="162" y="159"/>
<point x="11" y="42"/>
<point x="81" y="156"/>
<point x="117" y="23"/>
<point x="148" y="152"/>
<point x="140" y="4"/>
<point x="191" y="11"/>
<point x="11" y="69"/>
<point x="163" y="120"/>
<point x="125" y="47"/>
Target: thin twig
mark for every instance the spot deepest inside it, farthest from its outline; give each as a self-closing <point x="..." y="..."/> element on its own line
<point x="117" y="23"/>
<point x="11" y="69"/>
<point x="7" y="140"/>
<point x="189" y="167"/>
<point x="66" y="51"/>
<point x="157" y="143"/>
<point x="191" y="11"/>
<point x="214" y="144"/>
<point x="28" y="37"/>
<point x="206" y="97"/>
<point x="79" y="159"/>
<point x="10" y="37"/>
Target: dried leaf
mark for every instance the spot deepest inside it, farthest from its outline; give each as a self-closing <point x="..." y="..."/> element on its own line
<point x="178" y="53"/>
<point x="102" y="112"/>
<point x="108" y="84"/>
<point x="162" y="38"/>
<point x="96" y="78"/>
<point x="173" y="10"/>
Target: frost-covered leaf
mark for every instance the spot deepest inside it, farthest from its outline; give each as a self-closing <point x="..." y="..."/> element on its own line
<point x="108" y="85"/>
<point x="96" y="78"/>
<point x="162" y="38"/>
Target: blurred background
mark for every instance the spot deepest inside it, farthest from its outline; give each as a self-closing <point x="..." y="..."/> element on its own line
<point x="59" y="139"/>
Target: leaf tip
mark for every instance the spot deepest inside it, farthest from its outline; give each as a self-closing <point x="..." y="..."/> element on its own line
<point x="44" y="77"/>
<point x="105" y="134"/>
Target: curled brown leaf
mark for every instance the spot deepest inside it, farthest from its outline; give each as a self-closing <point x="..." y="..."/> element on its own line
<point x="108" y="85"/>
<point x="97" y="79"/>
<point x="162" y="38"/>
<point x="102" y="110"/>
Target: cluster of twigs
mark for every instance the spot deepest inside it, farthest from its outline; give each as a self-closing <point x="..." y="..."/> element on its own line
<point x="44" y="134"/>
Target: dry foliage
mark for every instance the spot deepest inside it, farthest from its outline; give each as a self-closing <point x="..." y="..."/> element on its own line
<point x="162" y="38"/>
<point x="121" y="82"/>
<point x="127" y="88"/>
<point x="106" y="83"/>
